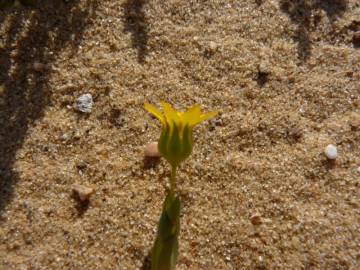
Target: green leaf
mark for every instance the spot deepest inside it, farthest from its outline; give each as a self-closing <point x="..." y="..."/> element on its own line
<point x="165" y="249"/>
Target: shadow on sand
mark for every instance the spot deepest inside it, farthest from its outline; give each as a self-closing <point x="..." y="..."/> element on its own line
<point x="303" y="13"/>
<point x="34" y="37"/>
<point x="135" y="23"/>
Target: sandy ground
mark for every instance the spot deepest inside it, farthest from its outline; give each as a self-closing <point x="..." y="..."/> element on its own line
<point x="258" y="192"/>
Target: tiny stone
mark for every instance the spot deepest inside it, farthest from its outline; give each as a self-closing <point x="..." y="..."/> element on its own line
<point x="295" y="241"/>
<point x="212" y="45"/>
<point x="296" y="132"/>
<point x="267" y="220"/>
<point x="249" y="93"/>
<point x="84" y="103"/>
<point x="256" y="219"/>
<point x="358" y="169"/>
<point x="38" y="66"/>
<point x="349" y="73"/>
<point x="65" y="137"/>
<point x="355" y="121"/>
<point x="77" y="134"/>
<point x="356" y="39"/>
<point x="83" y="192"/>
<point x="151" y="150"/>
<point x="331" y="151"/>
<point x="264" y="67"/>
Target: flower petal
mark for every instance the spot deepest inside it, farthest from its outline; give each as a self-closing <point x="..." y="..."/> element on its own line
<point x="171" y="114"/>
<point x="205" y="116"/>
<point x="191" y="115"/>
<point x="155" y="112"/>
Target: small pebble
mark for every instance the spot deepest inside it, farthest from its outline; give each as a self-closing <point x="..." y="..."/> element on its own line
<point x="212" y="45"/>
<point x="83" y="192"/>
<point x="331" y="151"/>
<point x="151" y="150"/>
<point x="38" y="66"/>
<point x="77" y="134"/>
<point x="355" y="121"/>
<point x="358" y="169"/>
<point x="296" y="132"/>
<point x="84" y="103"/>
<point x="356" y="39"/>
<point x="65" y="137"/>
<point x="265" y="67"/>
<point x="256" y="219"/>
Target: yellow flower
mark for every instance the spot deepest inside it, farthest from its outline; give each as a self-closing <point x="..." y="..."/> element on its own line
<point x="175" y="143"/>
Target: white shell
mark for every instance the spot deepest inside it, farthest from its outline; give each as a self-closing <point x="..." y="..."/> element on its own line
<point x="331" y="151"/>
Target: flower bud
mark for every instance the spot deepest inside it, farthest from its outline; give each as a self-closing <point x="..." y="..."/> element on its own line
<point x="175" y="143"/>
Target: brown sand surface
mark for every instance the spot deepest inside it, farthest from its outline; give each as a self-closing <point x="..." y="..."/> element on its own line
<point x="257" y="192"/>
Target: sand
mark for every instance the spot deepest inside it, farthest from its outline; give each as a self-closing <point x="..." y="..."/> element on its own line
<point x="257" y="191"/>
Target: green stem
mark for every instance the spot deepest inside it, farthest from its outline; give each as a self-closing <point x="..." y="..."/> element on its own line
<point x="173" y="179"/>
